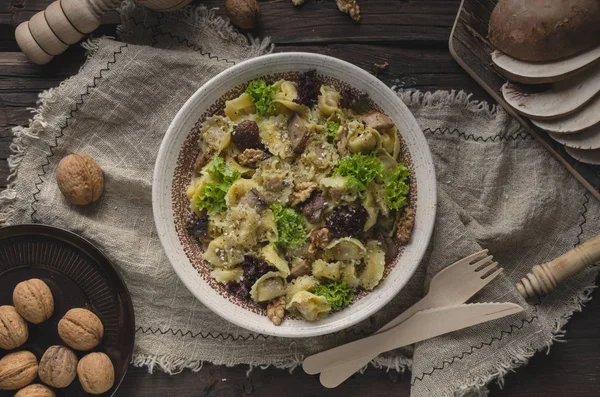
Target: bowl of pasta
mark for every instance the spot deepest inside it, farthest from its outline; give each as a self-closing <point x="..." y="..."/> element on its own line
<point x="294" y="194"/>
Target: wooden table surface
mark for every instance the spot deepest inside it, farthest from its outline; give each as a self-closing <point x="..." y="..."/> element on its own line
<point x="413" y="37"/>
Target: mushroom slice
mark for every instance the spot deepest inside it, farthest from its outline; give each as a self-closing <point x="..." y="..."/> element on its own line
<point x="584" y="118"/>
<point x="298" y="133"/>
<point x="377" y="120"/>
<point x="563" y="97"/>
<point x="253" y="199"/>
<point x="587" y="140"/>
<point x="271" y="285"/>
<point x="313" y="208"/>
<point x="547" y="72"/>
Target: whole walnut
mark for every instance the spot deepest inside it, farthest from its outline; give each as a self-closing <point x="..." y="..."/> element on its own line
<point x="96" y="373"/>
<point x="80" y="329"/>
<point x="13" y="329"/>
<point x="58" y="366"/>
<point x="17" y="370"/>
<point x="35" y="390"/>
<point x="80" y="178"/>
<point x="242" y="13"/>
<point x="33" y="300"/>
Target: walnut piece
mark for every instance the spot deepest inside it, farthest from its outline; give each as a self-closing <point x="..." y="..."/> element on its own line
<point x="80" y="329"/>
<point x="349" y="7"/>
<point x="58" y="366"/>
<point x="96" y="373"/>
<point x="35" y="390"/>
<point x="33" y="300"/>
<point x="276" y="310"/>
<point x="302" y="192"/>
<point x="80" y="178"/>
<point x="17" y="370"/>
<point x="249" y="157"/>
<point x="13" y="328"/>
<point x="405" y="225"/>
<point x="319" y="238"/>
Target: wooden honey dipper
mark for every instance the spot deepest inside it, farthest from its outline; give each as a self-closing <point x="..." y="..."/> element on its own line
<point x="543" y="278"/>
<point x="65" y="22"/>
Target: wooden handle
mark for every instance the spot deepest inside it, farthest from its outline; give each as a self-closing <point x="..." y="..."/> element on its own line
<point x="544" y="278"/>
<point x="64" y="22"/>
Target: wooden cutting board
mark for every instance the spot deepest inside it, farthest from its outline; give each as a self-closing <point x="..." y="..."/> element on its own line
<point x="470" y="47"/>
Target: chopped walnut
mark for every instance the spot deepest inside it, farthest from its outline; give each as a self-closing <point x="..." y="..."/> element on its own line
<point x="405" y="225"/>
<point x="319" y="238"/>
<point x="349" y="7"/>
<point x="250" y="157"/>
<point x="276" y="310"/>
<point x="302" y="192"/>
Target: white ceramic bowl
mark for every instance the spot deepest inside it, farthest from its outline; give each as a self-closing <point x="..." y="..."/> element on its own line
<point x="169" y="203"/>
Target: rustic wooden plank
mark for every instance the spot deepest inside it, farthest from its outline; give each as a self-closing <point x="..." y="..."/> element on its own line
<point x="314" y="22"/>
<point x="469" y="46"/>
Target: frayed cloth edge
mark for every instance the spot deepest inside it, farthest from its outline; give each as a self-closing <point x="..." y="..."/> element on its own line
<point x="444" y="98"/>
<point x="23" y="136"/>
<point x="196" y="15"/>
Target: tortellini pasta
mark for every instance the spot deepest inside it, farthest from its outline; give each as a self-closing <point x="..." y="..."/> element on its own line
<point x="269" y="286"/>
<point x="239" y="106"/>
<point x="374" y="266"/>
<point x="274" y="175"/>
<point x="329" y="100"/>
<point x="326" y="270"/>
<point x="308" y="305"/>
<point x="224" y="276"/>
<point x="345" y="248"/>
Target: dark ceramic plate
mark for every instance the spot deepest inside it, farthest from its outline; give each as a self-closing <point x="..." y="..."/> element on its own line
<point x="79" y="275"/>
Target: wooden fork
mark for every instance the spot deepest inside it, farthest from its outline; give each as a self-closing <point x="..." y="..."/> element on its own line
<point x="453" y="285"/>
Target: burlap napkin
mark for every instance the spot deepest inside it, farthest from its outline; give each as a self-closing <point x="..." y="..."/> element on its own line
<point x="498" y="189"/>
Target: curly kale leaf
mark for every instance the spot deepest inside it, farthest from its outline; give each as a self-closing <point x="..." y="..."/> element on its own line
<point x="338" y="294"/>
<point x="262" y="97"/>
<point x="290" y="225"/>
<point x="396" y="187"/>
<point x="359" y="170"/>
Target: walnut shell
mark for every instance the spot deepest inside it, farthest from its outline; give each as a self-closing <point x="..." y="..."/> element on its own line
<point x="13" y="329"/>
<point x="33" y="300"/>
<point x="96" y="373"/>
<point x="80" y="178"/>
<point x="81" y="329"/>
<point x="36" y="390"/>
<point x="17" y="370"/>
<point x="242" y="13"/>
<point x="58" y="366"/>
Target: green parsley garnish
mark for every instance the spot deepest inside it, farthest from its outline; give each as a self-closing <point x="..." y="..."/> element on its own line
<point x="396" y="187"/>
<point x="338" y="294"/>
<point x="359" y="170"/>
<point x="262" y="97"/>
<point x="212" y="195"/>
<point x="219" y="171"/>
<point x="290" y="225"/>
<point x="331" y="129"/>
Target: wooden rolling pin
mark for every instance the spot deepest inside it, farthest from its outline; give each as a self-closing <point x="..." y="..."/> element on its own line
<point x="543" y="278"/>
<point x="65" y="22"/>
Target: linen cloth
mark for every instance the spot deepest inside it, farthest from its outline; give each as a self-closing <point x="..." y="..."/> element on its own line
<point x="497" y="189"/>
